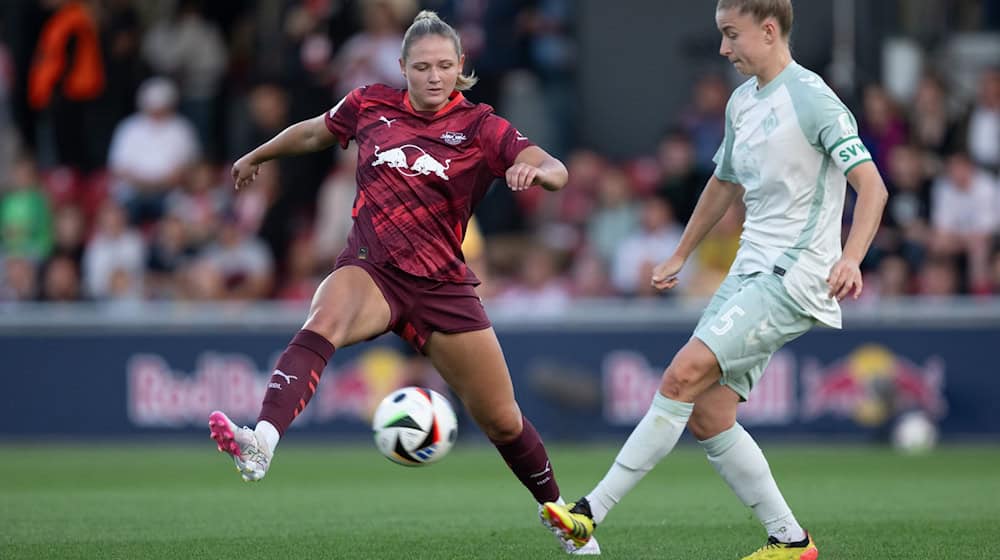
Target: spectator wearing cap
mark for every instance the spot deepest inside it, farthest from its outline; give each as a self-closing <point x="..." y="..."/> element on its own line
<point x="192" y="50"/>
<point x="151" y="151"/>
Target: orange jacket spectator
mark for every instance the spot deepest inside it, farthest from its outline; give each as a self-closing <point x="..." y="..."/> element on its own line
<point x="82" y="77"/>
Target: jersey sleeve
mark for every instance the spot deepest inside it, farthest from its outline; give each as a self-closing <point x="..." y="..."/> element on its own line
<point x="837" y="134"/>
<point x="501" y="144"/>
<point x="723" y="158"/>
<point x="342" y="120"/>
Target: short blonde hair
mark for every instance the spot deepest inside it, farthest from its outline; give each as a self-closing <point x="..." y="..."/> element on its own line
<point x="428" y="23"/>
<point x="780" y="10"/>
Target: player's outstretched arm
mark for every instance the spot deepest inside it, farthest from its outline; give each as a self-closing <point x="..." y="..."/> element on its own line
<point x="845" y="276"/>
<point x="534" y="166"/>
<point x="303" y="137"/>
<point x="717" y="197"/>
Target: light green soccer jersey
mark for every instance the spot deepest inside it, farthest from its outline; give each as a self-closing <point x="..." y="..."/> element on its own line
<point x="791" y="145"/>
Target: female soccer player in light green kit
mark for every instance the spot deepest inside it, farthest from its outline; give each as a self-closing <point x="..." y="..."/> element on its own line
<point x="789" y="146"/>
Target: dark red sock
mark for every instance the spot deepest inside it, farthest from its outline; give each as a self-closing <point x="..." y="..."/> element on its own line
<point x="294" y="379"/>
<point x="526" y="456"/>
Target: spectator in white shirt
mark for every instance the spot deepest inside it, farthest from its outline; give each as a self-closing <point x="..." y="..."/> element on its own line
<point x="963" y="216"/>
<point x="114" y="249"/>
<point x="151" y="151"/>
<point x="659" y="235"/>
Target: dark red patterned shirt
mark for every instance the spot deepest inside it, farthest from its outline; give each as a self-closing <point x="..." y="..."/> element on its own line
<point x="420" y="175"/>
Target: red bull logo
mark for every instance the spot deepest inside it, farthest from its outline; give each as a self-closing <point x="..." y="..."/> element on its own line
<point x="160" y="396"/>
<point x="630" y="382"/>
<point x="360" y="385"/>
<point x="871" y="386"/>
<point x="399" y="159"/>
<point x="629" y="385"/>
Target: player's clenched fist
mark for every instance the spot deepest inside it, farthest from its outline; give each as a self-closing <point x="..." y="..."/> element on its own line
<point x="521" y="176"/>
<point x="665" y="273"/>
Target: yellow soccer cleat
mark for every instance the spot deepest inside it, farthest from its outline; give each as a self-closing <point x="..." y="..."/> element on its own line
<point x="776" y="550"/>
<point x="571" y="520"/>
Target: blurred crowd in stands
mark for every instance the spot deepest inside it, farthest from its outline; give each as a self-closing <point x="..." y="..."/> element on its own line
<point x="120" y="118"/>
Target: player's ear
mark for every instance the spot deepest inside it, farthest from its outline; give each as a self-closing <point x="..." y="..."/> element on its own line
<point x="402" y="67"/>
<point x="770" y="30"/>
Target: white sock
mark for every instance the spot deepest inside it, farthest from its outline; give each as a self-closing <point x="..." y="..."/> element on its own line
<point x="655" y="435"/>
<point x="741" y="463"/>
<point x="268" y="435"/>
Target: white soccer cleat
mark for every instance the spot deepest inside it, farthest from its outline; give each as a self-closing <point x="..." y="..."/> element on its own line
<point x="251" y="457"/>
<point x="591" y="548"/>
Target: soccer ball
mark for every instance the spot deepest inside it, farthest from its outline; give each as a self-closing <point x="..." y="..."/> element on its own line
<point x="414" y="426"/>
<point x="914" y="433"/>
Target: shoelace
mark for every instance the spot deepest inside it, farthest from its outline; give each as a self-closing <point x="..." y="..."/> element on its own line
<point x="253" y="453"/>
<point x="772" y="543"/>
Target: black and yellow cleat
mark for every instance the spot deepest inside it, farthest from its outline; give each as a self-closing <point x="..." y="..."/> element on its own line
<point x="777" y="550"/>
<point x="572" y="520"/>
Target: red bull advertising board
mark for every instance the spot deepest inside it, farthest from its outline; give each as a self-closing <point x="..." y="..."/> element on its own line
<point x="579" y="384"/>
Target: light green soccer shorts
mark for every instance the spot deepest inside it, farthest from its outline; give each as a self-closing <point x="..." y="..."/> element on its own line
<point x="748" y="319"/>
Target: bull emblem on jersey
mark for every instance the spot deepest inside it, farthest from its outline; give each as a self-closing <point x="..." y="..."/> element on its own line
<point x="394" y="158"/>
<point x="425" y="164"/>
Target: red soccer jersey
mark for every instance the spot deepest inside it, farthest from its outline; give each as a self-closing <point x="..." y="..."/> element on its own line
<point x="420" y="175"/>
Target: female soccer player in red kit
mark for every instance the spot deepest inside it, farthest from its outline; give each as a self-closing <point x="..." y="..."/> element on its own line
<point x="426" y="158"/>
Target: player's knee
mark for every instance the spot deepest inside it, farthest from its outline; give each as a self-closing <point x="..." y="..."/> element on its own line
<point x="501" y="427"/>
<point x="671" y="387"/>
<point x="330" y="322"/>
<point x="681" y="377"/>
<point x="705" y="424"/>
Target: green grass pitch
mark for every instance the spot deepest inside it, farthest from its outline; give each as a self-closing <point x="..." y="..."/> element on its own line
<point x="328" y="501"/>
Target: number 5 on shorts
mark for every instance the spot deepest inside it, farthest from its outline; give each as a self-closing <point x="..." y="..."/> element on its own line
<point x="726" y="320"/>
